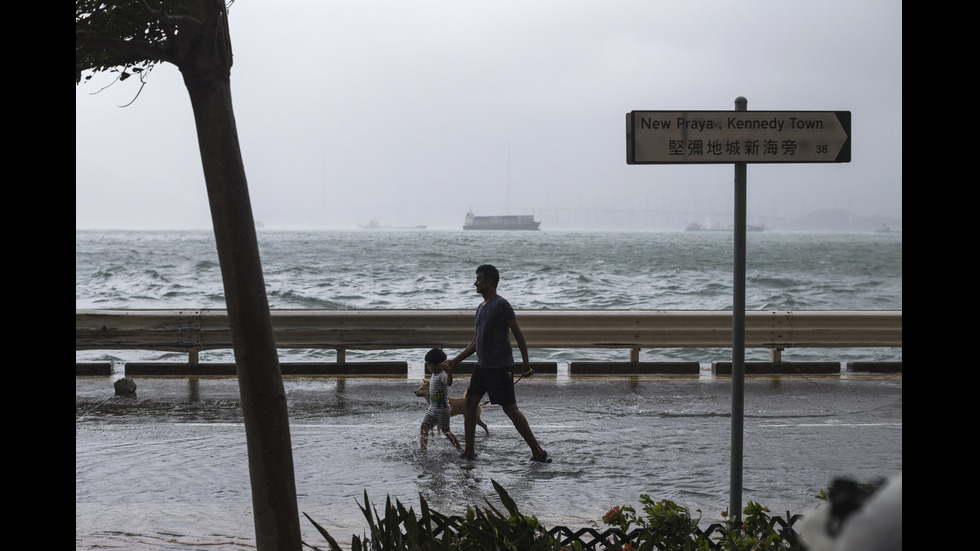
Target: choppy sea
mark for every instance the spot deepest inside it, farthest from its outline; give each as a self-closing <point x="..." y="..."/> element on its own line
<point x="168" y="470"/>
<point x="367" y="269"/>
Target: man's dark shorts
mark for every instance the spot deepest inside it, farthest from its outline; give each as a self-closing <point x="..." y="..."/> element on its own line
<point x="498" y="383"/>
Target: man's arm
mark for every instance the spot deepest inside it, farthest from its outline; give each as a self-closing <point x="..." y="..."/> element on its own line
<point x="466" y="353"/>
<point x="521" y="343"/>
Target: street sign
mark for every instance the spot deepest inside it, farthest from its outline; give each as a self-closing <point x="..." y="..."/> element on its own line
<point x="671" y="137"/>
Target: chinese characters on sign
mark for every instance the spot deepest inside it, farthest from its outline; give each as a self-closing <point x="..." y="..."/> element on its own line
<point x="654" y="137"/>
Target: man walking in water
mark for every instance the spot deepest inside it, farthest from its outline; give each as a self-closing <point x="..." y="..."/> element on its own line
<point x="494" y="371"/>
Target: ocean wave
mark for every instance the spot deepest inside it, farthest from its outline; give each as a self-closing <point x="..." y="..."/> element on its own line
<point x="293" y="299"/>
<point x="206" y="266"/>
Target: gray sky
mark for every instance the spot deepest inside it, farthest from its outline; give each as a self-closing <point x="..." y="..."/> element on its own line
<point x="414" y="112"/>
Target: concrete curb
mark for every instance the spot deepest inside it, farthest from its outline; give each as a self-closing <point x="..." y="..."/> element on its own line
<point x="634" y="368"/>
<point x="779" y="368"/>
<point x="304" y="368"/>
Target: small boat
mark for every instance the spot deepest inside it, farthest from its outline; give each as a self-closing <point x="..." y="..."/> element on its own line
<point x="883" y="229"/>
<point x="508" y="222"/>
<point x="694" y="226"/>
<point x="374" y="225"/>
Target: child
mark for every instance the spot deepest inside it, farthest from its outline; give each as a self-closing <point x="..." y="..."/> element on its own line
<point x="438" y="412"/>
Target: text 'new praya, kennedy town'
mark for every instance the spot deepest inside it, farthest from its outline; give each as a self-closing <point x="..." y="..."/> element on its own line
<point x="731" y="123"/>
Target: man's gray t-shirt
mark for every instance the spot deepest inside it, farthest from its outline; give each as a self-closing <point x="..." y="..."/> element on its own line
<point x="493" y="347"/>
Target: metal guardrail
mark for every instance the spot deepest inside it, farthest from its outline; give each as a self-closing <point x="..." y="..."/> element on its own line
<point x="208" y="329"/>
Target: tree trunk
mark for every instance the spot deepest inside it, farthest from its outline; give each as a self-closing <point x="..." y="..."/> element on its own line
<point x="270" y="453"/>
<point x="194" y="36"/>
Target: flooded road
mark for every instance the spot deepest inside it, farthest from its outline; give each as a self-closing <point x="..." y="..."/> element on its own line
<point x="168" y="469"/>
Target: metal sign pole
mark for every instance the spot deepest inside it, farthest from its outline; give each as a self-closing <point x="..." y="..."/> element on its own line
<point x="739" y="137"/>
<point x="738" y="337"/>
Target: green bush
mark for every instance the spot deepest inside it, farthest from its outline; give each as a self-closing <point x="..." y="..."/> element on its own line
<point x="669" y="527"/>
<point x="664" y="526"/>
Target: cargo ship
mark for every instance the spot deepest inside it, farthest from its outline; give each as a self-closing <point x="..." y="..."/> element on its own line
<point x="508" y="222"/>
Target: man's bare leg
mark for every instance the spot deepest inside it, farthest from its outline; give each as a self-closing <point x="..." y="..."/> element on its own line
<point x="522" y="426"/>
<point x="469" y="426"/>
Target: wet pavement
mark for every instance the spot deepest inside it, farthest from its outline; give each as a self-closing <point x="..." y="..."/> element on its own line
<point x="168" y="469"/>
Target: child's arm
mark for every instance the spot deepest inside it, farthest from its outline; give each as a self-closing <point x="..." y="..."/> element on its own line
<point x="449" y="375"/>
